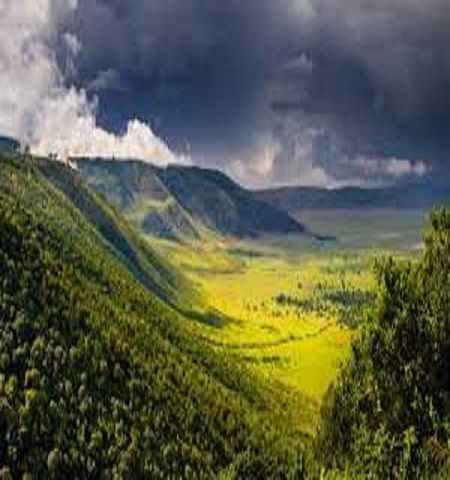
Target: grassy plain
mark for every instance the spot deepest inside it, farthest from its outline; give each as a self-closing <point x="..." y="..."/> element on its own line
<point x="282" y="305"/>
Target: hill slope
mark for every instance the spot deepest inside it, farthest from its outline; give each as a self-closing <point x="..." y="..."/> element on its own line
<point x="145" y="264"/>
<point x="224" y="206"/>
<point x="99" y="376"/>
<point x="136" y="190"/>
<point x="181" y="202"/>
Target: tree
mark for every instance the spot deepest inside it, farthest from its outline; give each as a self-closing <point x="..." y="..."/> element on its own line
<point x="389" y="411"/>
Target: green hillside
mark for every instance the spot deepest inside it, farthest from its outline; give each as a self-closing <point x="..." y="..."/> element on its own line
<point x="183" y="202"/>
<point x="224" y="206"/>
<point x="137" y="191"/>
<point x="146" y="265"/>
<point x="98" y="374"/>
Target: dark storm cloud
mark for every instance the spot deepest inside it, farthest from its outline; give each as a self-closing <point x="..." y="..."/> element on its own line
<point x="265" y="84"/>
<point x="196" y="68"/>
<point x="391" y="73"/>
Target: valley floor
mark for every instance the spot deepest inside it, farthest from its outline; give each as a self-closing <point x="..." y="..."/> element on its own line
<point x="288" y="307"/>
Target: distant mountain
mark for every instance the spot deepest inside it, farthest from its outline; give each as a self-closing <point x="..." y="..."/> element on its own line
<point x="407" y="196"/>
<point x="222" y="205"/>
<point x="184" y="202"/>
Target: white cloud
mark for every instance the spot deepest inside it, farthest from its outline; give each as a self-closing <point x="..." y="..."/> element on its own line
<point x="314" y="176"/>
<point x="276" y="163"/>
<point x="400" y="167"/>
<point x="35" y="105"/>
<point x="256" y="168"/>
<point x="391" y="167"/>
<point x="67" y="127"/>
<point x="105" y="79"/>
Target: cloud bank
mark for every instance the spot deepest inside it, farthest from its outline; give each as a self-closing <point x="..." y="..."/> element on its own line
<point x="39" y="108"/>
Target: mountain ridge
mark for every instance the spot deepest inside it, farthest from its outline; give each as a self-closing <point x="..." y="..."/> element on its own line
<point x="402" y="196"/>
<point x="179" y="202"/>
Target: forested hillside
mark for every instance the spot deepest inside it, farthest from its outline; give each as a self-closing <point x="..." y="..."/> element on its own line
<point x="100" y="377"/>
<point x="146" y="265"/>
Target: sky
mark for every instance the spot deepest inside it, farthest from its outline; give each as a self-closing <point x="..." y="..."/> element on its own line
<point x="285" y="92"/>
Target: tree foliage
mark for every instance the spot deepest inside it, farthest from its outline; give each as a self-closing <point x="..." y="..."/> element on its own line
<point x="98" y="377"/>
<point x="388" y="414"/>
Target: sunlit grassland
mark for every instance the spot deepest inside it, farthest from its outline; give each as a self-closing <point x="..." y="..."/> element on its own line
<point x="271" y="298"/>
<point x="241" y="280"/>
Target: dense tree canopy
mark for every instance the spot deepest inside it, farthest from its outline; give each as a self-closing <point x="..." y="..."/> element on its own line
<point x="389" y="413"/>
<point x="100" y="377"/>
